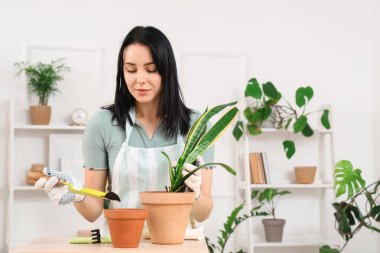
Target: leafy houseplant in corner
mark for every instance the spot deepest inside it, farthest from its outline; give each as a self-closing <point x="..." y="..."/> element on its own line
<point x="42" y="80"/>
<point x="169" y="211"/>
<point x="267" y="103"/>
<point x="360" y="207"/>
<point x="268" y="199"/>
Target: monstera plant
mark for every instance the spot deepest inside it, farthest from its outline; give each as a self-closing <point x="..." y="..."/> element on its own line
<point x="268" y="103"/>
<point x="351" y="215"/>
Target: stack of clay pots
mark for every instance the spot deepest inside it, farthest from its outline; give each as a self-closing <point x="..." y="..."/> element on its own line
<point x="35" y="173"/>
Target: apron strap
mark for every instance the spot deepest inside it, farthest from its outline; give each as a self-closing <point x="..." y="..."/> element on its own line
<point x="128" y="126"/>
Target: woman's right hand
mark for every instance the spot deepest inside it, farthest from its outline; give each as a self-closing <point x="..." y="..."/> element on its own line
<point x="58" y="193"/>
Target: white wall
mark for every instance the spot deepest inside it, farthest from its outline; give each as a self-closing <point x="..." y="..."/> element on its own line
<point x="329" y="45"/>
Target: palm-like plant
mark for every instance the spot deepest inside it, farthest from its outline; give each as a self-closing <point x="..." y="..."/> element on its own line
<point x="197" y="142"/>
<point x="43" y="78"/>
<point x="350" y="214"/>
<point x="267" y="104"/>
<point x="268" y="199"/>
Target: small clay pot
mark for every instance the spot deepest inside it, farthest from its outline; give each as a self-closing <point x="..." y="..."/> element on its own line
<point x="305" y="174"/>
<point x="33" y="176"/>
<point x="40" y="114"/>
<point x="125" y="226"/>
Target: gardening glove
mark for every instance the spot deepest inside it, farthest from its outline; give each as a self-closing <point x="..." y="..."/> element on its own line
<point x="194" y="181"/>
<point x="59" y="194"/>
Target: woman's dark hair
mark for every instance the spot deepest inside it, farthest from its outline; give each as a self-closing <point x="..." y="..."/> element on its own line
<point x="172" y="110"/>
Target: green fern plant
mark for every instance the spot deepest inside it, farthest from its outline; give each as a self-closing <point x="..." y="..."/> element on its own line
<point x="43" y="78"/>
<point x="350" y="215"/>
<point x="197" y="142"/>
<point x="229" y="227"/>
<point x="268" y="104"/>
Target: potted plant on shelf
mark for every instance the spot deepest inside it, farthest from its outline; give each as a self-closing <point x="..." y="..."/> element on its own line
<point x="268" y="200"/>
<point x="42" y="80"/>
<point x="267" y="103"/>
<point x="169" y="211"/>
<point x="360" y="207"/>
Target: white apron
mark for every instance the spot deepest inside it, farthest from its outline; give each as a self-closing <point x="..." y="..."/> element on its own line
<point x="140" y="169"/>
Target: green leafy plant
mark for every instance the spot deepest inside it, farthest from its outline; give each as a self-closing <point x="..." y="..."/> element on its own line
<point x="269" y="103"/>
<point x="43" y="78"/>
<point x="197" y="142"/>
<point x="268" y="199"/>
<point x="229" y="227"/>
<point x="350" y="215"/>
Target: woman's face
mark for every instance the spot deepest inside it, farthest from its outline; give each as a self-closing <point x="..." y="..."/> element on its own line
<point x="141" y="75"/>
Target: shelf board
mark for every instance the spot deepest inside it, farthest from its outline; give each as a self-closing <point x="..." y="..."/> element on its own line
<point x="294" y="242"/>
<point x="24" y="188"/>
<point x="290" y="186"/>
<point x="274" y="130"/>
<point x="49" y="127"/>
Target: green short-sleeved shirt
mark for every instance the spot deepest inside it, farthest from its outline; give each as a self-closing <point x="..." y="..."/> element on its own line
<point x="103" y="138"/>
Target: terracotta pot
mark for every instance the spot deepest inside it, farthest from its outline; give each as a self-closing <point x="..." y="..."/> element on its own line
<point x="40" y="114"/>
<point x="169" y="214"/>
<point x="126" y="226"/>
<point x="273" y="229"/>
<point x="305" y="174"/>
<point x="37" y="167"/>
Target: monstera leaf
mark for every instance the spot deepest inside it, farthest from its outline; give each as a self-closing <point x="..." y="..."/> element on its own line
<point x="347" y="179"/>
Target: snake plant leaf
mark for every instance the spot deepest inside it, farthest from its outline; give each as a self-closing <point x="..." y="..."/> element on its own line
<point x="212" y="135"/>
<point x="300" y="124"/>
<point x="253" y="129"/>
<point x="197" y="130"/>
<point x="178" y="184"/>
<point x="271" y="92"/>
<point x="328" y="249"/>
<point x="171" y="176"/>
<point x="307" y="131"/>
<point x="303" y="95"/>
<point x="347" y="179"/>
<point x="238" y="130"/>
<point x="289" y="148"/>
<point x="253" y="89"/>
<point x="325" y="119"/>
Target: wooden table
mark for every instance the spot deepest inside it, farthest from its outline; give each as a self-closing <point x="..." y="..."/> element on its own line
<point x="62" y="245"/>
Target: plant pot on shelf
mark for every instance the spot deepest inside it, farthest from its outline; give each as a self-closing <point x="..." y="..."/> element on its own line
<point x="125" y="226"/>
<point x="169" y="214"/>
<point x="40" y="114"/>
<point x="305" y="174"/>
<point x="274" y="229"/>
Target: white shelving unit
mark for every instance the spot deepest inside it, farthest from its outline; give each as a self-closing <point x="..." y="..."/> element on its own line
<point x="322" y="190"/>
<point x="30" y="213"/>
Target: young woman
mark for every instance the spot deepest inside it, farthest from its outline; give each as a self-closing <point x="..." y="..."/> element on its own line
<point x="122" y="143"/>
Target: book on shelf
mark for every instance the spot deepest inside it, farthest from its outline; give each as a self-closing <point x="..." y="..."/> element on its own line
<point x="266" y="167"/>
<point x="257" y="168"/>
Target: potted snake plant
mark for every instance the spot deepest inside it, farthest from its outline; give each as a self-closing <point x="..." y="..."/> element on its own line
<point x="175" y="202"/>
<point x="42" y="79"/>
